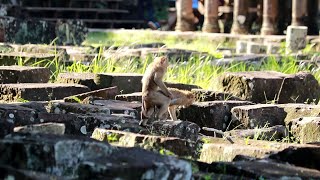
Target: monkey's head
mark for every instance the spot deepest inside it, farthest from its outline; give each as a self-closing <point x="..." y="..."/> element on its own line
<point x="162" y="61"/>
<point x="190" y="99"/>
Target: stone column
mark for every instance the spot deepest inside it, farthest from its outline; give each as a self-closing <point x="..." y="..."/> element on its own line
<point x="299" y="12"/>
<point x="185" y="16"/>
<point x="240" y="12"/>
<point x="211" y="16"/>
<point x="270" y="12"/>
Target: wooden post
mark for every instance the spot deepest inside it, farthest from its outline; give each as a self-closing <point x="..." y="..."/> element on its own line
<point x="211" y="16"/>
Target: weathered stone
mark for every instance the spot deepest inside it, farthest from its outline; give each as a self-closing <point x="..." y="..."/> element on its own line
<point x="306" y="129"/>
<point x="241" y="47"/>
<point x="137" y="96"/>
<point x="218" y="149"/>
<point x="37" y="106"/>
<point x="185" y="16"/>
<point x="256" y="48"/>
<point x="211" y="16"/>
<point x="13" y="58"/>
<point x="240" y="21"/>
<point x="296" y="38"/>
<point x="121" y="107"/>
<point x="295" y="111"/>
<point x="86" y="79"/>
<point x="182" y="86"/>
<point x="106" y="93"/>
<point x="63" y="108"/>
<point x="23" y="74"/>
<point x="269" y="170"/>
<point x="45" y="128"/>
<point x="257" y="116"/>
<point x="270" y="13"/>
<point x="207" y="95"/>
<point x="215" y="114"/>
<point x="303" y="156"/>
<point x="256" y="59"/>
<point x="87" y="158"/>
<point x="181" y="129"/>
<point x="126" y="82"/>
<point x="277" y="132"/>
<point x="14" y="115"/>
<point x="158" y="144"/>
<point x="255" y="86"/>
<point x="147" y="45"/>
<point x="7" y="172"/>
<point x="273" y="48"/>
<point x="39" y="91"/>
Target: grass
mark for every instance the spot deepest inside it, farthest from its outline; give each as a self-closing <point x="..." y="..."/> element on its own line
<point x="197" y="70"/>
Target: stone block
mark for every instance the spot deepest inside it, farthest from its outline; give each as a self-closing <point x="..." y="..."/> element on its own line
<point x="86" y="79"/>
<point x="255" y="86"/>
<point x="207" y="95"/>
<point x="257" y="116"/>
<point x="296" y="38"/>
<point x="131" y="109"/>
<point x="273" y="48"/>
<point x="296" y="111"/>
<point x="137" y="96"/>
<point x="181" y="129"/>
<point x="126" y="82"/>
<point x="74" y="157"/>
<point x="214" y="114"/>
<point x="105" y="93"/>
<point x="45" y="128"/>
<point x="182" y="86"/>
<point x="256" y="48"/>
<point x="158" y="144"/>
<point x="23" y="74"/>
<point x="39" y="91"/>
<point x="306" y="129"/>
<point x="241" y="47"/>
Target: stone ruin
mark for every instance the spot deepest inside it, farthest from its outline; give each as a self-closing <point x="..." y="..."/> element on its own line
<point x="86" y="125"/>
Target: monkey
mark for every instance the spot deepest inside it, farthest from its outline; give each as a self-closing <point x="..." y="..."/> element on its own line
<point x="154" y="91"/>
<point x="180" y="98"/>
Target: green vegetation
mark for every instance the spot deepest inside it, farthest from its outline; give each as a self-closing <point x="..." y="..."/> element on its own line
<point x="198" y="70"/>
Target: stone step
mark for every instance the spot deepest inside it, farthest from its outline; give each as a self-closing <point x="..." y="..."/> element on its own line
<point x="23" y="74"/>
<point x="214" y="114"/>
<point x="219" y="149"/>
<point x="106" y="93"/>
<point x="44" y="128"/>
<point x="255" y="86"/>
<point x="39" y="91"/>
<point x="73" y="157"/>
<point x="180" y="129"/>
<point x="160" y="144"/>
<point x="266" y="115"/>
<point x="306" y="129"/>
<point x="207" y="95"/>
<point x="132" y="97"/>
<point x="86" y="79"/>
<point x="12" y="58"/>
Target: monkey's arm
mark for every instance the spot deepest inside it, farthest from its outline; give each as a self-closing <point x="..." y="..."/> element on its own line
<point x="158" y="80"/>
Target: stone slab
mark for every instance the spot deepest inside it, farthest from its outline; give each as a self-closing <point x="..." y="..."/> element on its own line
<point x="86" y="79"/>
<point x="105" y="93"/>
<point x="39" y="91"/>
<point x="207" y="95"/>
<point x="214" y="114"/>
<point x="306" y="129"/>
<point x="71" y="156"/>
<point x="23" y="74"/>
<point x="258" y="116"/>
<point x="255" y="86"/>
<point x="126" y="82"/>
<point x="45" y="128"/>
<point x="161" y="144"/>
<point x="132" y="97"/>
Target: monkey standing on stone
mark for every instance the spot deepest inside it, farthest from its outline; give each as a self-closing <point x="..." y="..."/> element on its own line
<point x="154" y="91"/>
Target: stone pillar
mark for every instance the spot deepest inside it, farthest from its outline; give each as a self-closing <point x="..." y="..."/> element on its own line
<point x="299" y="12"/>
<point x="240" y="12"/>
<point x="185" y="17"/>
<point x="296" y="38"/>
<point x="270" y="12"/>
<point x="211" y="16"/>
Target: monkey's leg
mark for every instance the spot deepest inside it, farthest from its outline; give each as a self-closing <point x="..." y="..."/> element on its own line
<point x="172" y="112"/>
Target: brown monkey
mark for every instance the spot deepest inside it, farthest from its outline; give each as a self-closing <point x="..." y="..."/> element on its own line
<point x="180" y="98"/>
<point x="154" y="91"/>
